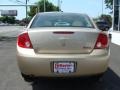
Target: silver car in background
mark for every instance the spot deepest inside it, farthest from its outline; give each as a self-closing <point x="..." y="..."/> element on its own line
<point x="59" y="44"/>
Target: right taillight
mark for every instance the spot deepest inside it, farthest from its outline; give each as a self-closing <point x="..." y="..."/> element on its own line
<point x="102" y="41"/>
<point x="24" y="41"/>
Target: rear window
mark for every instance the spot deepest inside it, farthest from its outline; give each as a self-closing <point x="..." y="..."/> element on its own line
<point x="61" y="20"/>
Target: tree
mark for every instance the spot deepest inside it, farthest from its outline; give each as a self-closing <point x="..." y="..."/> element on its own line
<point x="11" y="20"/>
<point x="109" y="4"/>
<point x="40" y="7"/>
<point x="7" y="19"/>
<point x="24" y="21"/>
<point x="33" y="10"/>
<point x="106" y="18"/>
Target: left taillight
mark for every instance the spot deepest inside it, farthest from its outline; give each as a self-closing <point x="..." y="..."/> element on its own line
<point x="24" y="41"/>
<point x="102" y="41"/>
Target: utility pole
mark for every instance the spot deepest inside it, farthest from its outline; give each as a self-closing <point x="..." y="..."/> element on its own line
<point x="25" y="4"/>
<point x="113" y="14"/>
<point x="119" y="17"/>
<point x="26" y="8"/>
<point x="102" y="6"/>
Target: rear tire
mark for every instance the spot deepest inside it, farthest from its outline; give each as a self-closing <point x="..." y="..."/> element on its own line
<point x="28" y="78"/>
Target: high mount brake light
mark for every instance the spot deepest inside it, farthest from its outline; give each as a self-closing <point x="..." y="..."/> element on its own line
<point x="63" y="32"/>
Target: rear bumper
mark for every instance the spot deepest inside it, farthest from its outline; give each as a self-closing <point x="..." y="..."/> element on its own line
<point x="40" y="65"/>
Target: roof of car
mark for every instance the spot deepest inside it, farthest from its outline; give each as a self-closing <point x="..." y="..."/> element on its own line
<point x="56" y="12"/>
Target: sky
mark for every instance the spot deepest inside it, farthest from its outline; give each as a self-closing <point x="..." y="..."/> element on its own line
<point x="91" y="7"/>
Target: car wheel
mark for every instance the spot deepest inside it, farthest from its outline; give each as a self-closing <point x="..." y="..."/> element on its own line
<point x="28" y="78"/>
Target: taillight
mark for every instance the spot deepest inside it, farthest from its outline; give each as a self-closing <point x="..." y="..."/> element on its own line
<point x="102" y="41"/>
<point x="24" y="41"/>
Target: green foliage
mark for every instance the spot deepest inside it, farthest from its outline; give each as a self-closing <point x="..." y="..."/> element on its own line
<point x="109" y="4"/>
<point x="40" y="7"/>
<point x="104" y="17"/>
<point x="33" y="10"/>
<point x="24" y="21"/>
<point x="8" y="19"/>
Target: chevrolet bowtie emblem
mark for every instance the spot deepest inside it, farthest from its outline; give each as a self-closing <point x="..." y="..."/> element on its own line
<point x="63" y="41"/>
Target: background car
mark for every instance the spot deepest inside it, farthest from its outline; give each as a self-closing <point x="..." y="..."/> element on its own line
<point x="103" y="25"/>
<point x="59" y="44"/>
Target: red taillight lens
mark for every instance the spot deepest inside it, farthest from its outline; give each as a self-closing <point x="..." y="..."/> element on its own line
<point x="24" y="41"/>
<point x="102" y="41"/>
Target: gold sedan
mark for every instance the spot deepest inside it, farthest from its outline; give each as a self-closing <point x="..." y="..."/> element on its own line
<point x="58" y="44"/>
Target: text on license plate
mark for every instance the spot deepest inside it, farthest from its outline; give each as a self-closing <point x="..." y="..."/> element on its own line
<point x="64" y="67"/>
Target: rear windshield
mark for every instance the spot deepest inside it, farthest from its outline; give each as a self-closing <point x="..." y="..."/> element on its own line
<point x="62" y="20"/>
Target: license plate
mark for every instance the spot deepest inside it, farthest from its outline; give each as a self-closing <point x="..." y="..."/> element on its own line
<point x="64" y="67"/>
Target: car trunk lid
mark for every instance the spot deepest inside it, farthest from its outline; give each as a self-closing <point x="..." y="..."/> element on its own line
<point x="63" y="40"/>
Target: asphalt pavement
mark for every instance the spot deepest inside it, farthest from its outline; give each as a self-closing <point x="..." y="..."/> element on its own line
<point x="10" y="78"/>
<point x="10" y="31"/>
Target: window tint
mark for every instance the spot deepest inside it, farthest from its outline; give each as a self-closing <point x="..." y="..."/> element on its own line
<point x="61" y="20"/>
